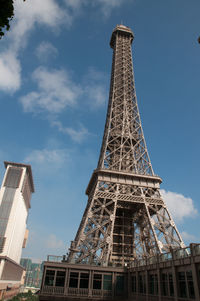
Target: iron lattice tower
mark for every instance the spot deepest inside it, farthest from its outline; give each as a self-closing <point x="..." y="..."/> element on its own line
<point x="125" y="217"/>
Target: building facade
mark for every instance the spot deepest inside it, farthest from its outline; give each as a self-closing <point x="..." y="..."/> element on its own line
<point x="15" y="195"/>
<point x="173" y="276"/>
<point x="33" y="273"/>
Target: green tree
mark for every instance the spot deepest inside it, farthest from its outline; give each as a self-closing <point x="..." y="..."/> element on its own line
<point x="6" y="15"/>
<point x="25" y="296"/>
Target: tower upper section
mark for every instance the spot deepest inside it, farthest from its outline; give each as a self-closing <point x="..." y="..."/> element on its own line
<point x="121" y="30"/>
<point x="123" y="147"/>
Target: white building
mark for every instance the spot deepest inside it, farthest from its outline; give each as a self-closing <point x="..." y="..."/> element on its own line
<point x="15" y="194"/>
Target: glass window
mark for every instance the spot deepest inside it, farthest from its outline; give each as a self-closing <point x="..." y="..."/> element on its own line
<point x="84" y="280"/>
<point x="97" y="281"/>
<point x="153" y="284"/>
<point x="133" y="284"/>
<point x="164" y="284"/>
<point x="73" y="280"/>
<point x="142" y="284"/>
<point x="49" y="277"/>
<point x="107" y="282"/>
<point x="190" y="285"/>
<point x="171" y="285"/>
<point x="60" y="278"/>
<point x="182" y="285"/>
<point x="119" y="284"/>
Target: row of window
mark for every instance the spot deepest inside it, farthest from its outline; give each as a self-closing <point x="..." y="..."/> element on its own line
<point x="82" y="280"/>
<point x="184" y="281"/>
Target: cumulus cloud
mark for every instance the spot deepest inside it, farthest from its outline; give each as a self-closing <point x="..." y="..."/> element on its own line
<point x="108" y="5"/>
<point x="52" y="242"/>
<point x="188" y="237"/>
<point x="179" y="206"/>
<point x="48" y="13"/>
<point x="55" y="92"/>
<point x="46" y="50"/>
<point x="76" y="135"/>
<point x="96" y="95"/>
<point x="27" y="15"/>
<point x="55" y="157"/>
<point x="32" y="12"/>
<point x="41" y="244"/>
<point x="94" y="83"/>
<point x="10" y="75"/>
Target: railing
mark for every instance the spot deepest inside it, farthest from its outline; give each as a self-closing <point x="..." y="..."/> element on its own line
<point x="193" y="249"/>
<point x="196" y="249"/>
<point x="78" y="291"/>
<point x="165" y="257"/>
<point x="54" y="258"/>
<point x="182" y="253"/>
<point x="53" y="290"/>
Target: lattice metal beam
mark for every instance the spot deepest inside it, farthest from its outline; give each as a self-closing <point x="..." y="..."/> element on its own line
<point x="126" y="217"/>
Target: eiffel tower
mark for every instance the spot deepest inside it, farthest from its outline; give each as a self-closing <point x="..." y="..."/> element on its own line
<point x="126" y="217"/>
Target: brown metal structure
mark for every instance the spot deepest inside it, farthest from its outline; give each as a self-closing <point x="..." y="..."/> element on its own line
<point x="126" y="217"/>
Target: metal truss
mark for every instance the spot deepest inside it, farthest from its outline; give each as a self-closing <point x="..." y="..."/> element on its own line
<point x="126" y="217"/>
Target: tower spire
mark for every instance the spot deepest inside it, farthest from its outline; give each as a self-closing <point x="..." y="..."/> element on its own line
<point x="125" y="217"/>
<point x="123" y="147"/>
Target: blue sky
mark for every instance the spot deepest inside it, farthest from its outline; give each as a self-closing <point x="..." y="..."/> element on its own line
<point x="54" y="82"/>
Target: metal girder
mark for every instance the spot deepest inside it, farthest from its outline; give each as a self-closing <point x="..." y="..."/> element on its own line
<point x="126" y="217"/>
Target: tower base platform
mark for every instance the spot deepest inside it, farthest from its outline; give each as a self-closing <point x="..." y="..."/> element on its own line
<point x="173" y="276"/>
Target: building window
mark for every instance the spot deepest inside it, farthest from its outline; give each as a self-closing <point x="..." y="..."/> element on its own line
<point x="171" y="285"/>
<point x="49" y="278"/>
<point x="13" y="177"/>
<point x="84" y="280"/>
<point x="60" y="278"/>
<point x="5" y="209"/>
<point x="73" y="280"/>
<point x="182" y="285"/>
<point x="153" y="284"/>
<point x="190" y="285"/>
<point x="133" y="284"/>
<point x="164" y="285"/>
<point x="97" y="281"/>
<point x="167" y="286"/>
<point x="119" y="285"/>
<point x="107" y="282"/>
<point x="142" y="284"/>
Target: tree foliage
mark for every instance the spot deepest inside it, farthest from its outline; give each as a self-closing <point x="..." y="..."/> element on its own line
<point x="6" y="15"/>
<point x="25" y="297"/>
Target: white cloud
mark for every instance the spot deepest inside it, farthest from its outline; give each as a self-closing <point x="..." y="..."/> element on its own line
<point x="10" y="79"/>
<point x="74" y="4"/>
<point x="32" y="12"/>
<point x="42" y="244"/>
<point x="55" y="92"/>
<point x="105" y="6"/>
<point x="76" y="135"/>
<point x="179" y="206"/>
<point x="96" y="94"/>
<point x="46" y="50"/>
<point x="55" y="157"/>
<point x="52" y="242"/>
<point x="188" y="237"/>
<point x="27" y="15"/>
<point x="47" y="13"/>
<point x="108" y="5"/>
